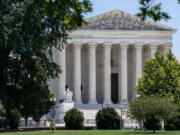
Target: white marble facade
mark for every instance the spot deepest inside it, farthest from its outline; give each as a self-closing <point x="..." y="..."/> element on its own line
<point x="102" y="62"/>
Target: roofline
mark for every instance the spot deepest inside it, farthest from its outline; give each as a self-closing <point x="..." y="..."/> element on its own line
<point x="133" y="16"/>
<point x="123" y="31"/>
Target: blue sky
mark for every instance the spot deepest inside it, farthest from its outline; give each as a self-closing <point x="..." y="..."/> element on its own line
<point x="131" y="6"/>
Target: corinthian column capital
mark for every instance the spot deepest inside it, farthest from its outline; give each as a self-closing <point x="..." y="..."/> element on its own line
<point x="153" y="45"/>
<point x="107" y="45"/>
<point x="77" y="45"/>
<point x="168" y="45"/>
<point x="92" y="45"/>
<point x="123" y="46"/>
<point x="139" y="46"/>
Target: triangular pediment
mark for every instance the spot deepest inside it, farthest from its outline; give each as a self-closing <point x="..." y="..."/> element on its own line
<point x="119" y="20"/>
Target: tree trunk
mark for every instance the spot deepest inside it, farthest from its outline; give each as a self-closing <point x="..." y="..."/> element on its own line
<point x="154" y="130"/>
<point x="26" y="121"/>
<point x="3" y="81"/>
<point x="3" y="94"/>
<point x="164" y="124"/>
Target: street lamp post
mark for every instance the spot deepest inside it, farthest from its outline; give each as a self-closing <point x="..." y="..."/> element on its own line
<point x="123" y="105"/>
<point x="121" y="125"/>
<point x="102" y="103"/>
<point x="53" y="108"/>
<point x="53" y="123"/>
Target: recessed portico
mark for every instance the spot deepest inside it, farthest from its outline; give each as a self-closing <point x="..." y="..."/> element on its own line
<point x="90" y="67"/>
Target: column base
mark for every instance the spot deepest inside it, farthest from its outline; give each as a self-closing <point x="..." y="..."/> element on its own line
<point x="92" y="102"/>
<point x="107" y="103"/>
<point x="124" y="101"/>
<point x="78" y="102"/>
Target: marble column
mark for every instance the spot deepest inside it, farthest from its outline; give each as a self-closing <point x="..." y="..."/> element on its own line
<point x="92" y="73"/>
<point x="61" y="82"/>
<point x="123" y="72"/>
<point x="53" y="84"/>
<point x="77" y="73"/>
<point x="138" y="67"/>
<point x="152" y="50"/>
<point x="107" y="73"/>
<point x="167" y="48"/>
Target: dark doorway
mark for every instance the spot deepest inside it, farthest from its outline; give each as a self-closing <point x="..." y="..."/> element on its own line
<point x="114" y="87"/>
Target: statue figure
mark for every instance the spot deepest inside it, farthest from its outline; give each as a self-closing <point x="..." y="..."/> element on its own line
<point x="68" y="96"/>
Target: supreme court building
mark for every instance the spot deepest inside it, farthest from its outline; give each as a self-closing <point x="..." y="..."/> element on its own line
<point x="102" y="62"/>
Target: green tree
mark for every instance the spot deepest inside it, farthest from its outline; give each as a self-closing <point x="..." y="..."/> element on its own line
<point x="29" y="30"/>
<point x="40" y="104"/>
<point x="152" y="107"/>
<point x="2" y="115"/>
<point x="173" y="123"/>
<point x="31" y="100"/>
<point x="153" y="10"/>
<point x="161" y="77"/>
<point x="14" y="118"/>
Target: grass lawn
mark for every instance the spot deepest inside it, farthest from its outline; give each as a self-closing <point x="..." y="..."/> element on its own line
<point x="90" y="132"/>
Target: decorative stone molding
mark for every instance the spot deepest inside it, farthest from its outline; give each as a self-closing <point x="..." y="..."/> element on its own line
<point x="77" y="46"/>
<point x="139" y="46"/>
<point x="92" y="45"/>
<point x="168" y="45"/>
<point x="107" y="44"/>
<point x="154" y="44"/>
<point x="123" y="46"/>
<point x="152" y="49"/>
<point x="119" y="20"/>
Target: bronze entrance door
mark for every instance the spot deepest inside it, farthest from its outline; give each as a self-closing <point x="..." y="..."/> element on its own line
<point x="114" y="87"/>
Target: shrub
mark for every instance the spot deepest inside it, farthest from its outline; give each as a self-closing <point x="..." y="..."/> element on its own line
<point x="149" y="123"/>
<point x="14" y="119"/>
<point x="173" y="124"/>
<point x="2" y="116"/>
<point x="108" y="118"/>
<point x="74" y="119"/>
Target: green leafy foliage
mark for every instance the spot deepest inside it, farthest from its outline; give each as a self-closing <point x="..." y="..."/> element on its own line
<point x="2" y="116"/>
<point x="14" y="119"/>
<point x="29" y="31"/>
<point x="72" y="12"/>
<point x="74" y="119"/>
<point x="153" y="108"/>
<point x="160" y="80"/>
<point x="151" y="9"/>
<point x="149" y="123"/>
<point x="161" y="77"/>
<point x="108" y="118"/>
<point x="173" y="123"/>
